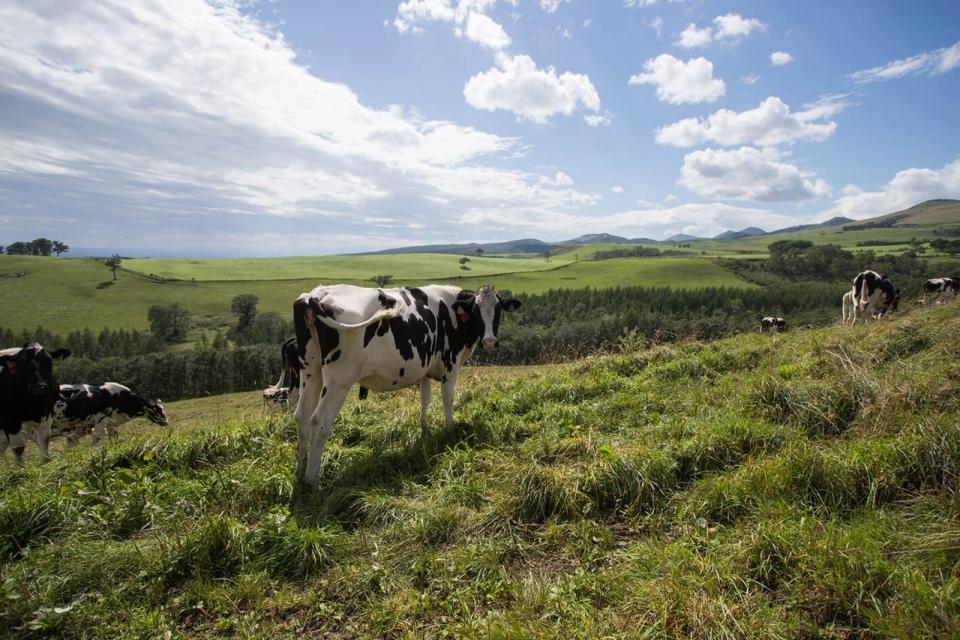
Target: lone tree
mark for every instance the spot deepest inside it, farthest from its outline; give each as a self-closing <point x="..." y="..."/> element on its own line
<point x="382" y="281"/>
<point x="169" y="322"/>
<point x="245" y="306"/>
<point x="113" y="263"/>
<point x="60" y="247"/>
<point x="478" y="251"/>
<point x="463" y="262"/>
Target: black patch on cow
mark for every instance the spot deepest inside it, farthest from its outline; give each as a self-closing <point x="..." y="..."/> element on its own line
<point x="333" y="357"/>
<point x="395" y="382"/>
<point x="377" y="328"/>
<point x="406" y="298"/>
<point x="401" y="372"/>
<point x="385" y="301"/>
<point x="300" y="308"/>
<point x="364" y="392"/>
<point x="323" y="391"/>
<point x="290" y="363"/>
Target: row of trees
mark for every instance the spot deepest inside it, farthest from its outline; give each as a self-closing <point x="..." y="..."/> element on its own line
<point x="36" y="247"/>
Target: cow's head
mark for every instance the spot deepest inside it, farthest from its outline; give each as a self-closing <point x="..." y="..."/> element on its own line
<point x="153" y="410"/>
<point x="32" y="367"/>
<point x="896" y="300"/>
<point x="480" y="311"/>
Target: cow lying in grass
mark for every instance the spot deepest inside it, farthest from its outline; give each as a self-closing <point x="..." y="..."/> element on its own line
<point x="940" y="287"/>
<point x="98" y="410"/>
<point x="383" y="339"/>
<point x="772" y="324"/>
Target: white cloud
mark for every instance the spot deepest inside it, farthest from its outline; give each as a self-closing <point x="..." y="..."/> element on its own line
<point x="657" y="25"/>
<point x="230" y="124"/>
<point x="907" y="188"/>
<point x="733" y="26"/>
<point x="780" y="58"/>
<point x="770" y="123"/>
<point x="727" y="28"/>
<point x="680" y="82"/>
<point x="565" y="33"/>
<point x="563" y="179"/>
<point x="616" y="189"/>
<point x="750" y="79"/>
<point x="486" y="31"/>
<point x="598" y="119"/>
<point x="639" y="3"/>
<point x="517" y="85"/>
<point x="551" y="5"/>
<point x="933" y="63"/>
<point x="748" y="173"/>
<point x="694" y="37"/>
<point x="587" y="23"/>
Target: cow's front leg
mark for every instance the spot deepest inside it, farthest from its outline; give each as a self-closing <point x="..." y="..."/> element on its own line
<point x="426" y="394"/>
<point x="448" y="389"/>
<point x="42" y="437"/>
<point x="4" y="445"/>
<point x="321" y="426"/>
<point x="18" y="443"/>
<point x="311" y="386"/>
<point x="99" y="430"/>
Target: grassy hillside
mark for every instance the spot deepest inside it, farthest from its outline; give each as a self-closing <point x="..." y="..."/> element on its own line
<point x="799" y="485"/>
<point x="61" y="294"/>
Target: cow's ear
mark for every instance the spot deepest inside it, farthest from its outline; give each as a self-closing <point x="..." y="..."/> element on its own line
<point x="510" y="305"/>
<point x="8" y="360"/>
<point x="60" y="354"/>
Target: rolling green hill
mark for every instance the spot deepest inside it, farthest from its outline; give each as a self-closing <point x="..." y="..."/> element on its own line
<point x="801" y="485"/>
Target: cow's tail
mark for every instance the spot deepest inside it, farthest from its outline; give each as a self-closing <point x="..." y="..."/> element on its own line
<point x="343" y="326"/>
<point x="301" y="325"/>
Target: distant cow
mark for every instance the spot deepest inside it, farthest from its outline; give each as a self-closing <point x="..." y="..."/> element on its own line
<point x="28" y="391"/>
<point x="384" y="339"/>
<point x="85" y="408"/>
<point x="874" y="296"/>
<point x="772" y="324"/>
<point x="287" y="388"/>
<point x="941" y="286"/>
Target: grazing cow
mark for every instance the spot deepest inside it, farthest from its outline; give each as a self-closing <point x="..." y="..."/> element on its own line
<point x="940" y="287"/>
<point x="848" y="308"/>
<point x="874" y="296"/>
<point x="287" y="388"/>
<point x="772" y="324"/>
<point x="384" y="339"/>
<point x="99" y="410"/>
<point x="28" y="391"/>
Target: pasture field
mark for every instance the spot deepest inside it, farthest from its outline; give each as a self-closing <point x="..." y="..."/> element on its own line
<point x="830" y="235"/>
<point x="801" y="485"/>
<point x="61" y="294"/>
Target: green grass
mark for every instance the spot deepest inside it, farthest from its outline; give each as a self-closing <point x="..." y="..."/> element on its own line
<point x="830" y="235"/>
<point x="411" y="266"/>
<point x="801" y="485"/>
<point x="71" y="300"/>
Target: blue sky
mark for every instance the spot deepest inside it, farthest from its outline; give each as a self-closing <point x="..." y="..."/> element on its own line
<point x="194" y="128"/>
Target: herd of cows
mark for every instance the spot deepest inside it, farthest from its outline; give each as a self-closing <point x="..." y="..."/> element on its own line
<point x="381" y="339"/>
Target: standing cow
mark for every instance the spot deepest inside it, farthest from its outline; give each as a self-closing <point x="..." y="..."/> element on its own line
<point x="28" y="391"/>
<point x="384" y="339"/>
<point x="99" y="410"/>
<point x="940" y="287"/>
<point x="874" y="296"/>
<point x="772" y="324"/>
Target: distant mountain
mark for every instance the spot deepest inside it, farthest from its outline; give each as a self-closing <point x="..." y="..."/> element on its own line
<point x="941" y="211"/>
<point x="832" y="222"/>
<point x="598" y="238"/>
<point x="743" y="233"/>
<point x="525" y="245"/>
<point x="681" y="237"/>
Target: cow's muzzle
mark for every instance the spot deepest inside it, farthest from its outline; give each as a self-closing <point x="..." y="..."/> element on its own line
<point x="490" y="343"/>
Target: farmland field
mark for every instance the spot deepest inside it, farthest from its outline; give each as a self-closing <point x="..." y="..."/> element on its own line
<point x="785" y="486"/>
<point x="71" y="299"/>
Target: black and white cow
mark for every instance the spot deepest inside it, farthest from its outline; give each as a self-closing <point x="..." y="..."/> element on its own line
<point x="98" y="410"/>
<point x="941" y="286"/>
<point x="848" y="309"/>
<point x="874" y="296"/>
<point x="384" y="339"/>
<point x="287" y="388"/>
<point x="772" y="324"/>
<point x="28" y="391"/>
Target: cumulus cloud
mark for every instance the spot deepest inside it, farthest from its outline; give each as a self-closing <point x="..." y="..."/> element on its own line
<point x="657" y="25"/>
<point x="748" y="173"/>
<point x="518" y="86"/>
<point x="598" y="119"/>
<point x="932" y="63"/>
<point x="484" y="30"/>
<point x="468" y="17"/>
<point x="680" y="82"/>
<point x="907" y="188"/>
<point x="563" y="179"/>
<point x="780" y="58"/>
<point x="551" y="5"/>
<point x="230" y="130"/>
<point x="727" y="28"/>
<point x="770" y="123"/>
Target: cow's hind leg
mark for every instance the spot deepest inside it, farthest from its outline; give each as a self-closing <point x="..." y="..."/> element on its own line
<point x="42" y="437"/>
<point x="448" y="389"/>
<point x="311" y="386"/>
<point x="426" y="394"/>
<point x="18" y="443"/>
<point x="321" y="426"/>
